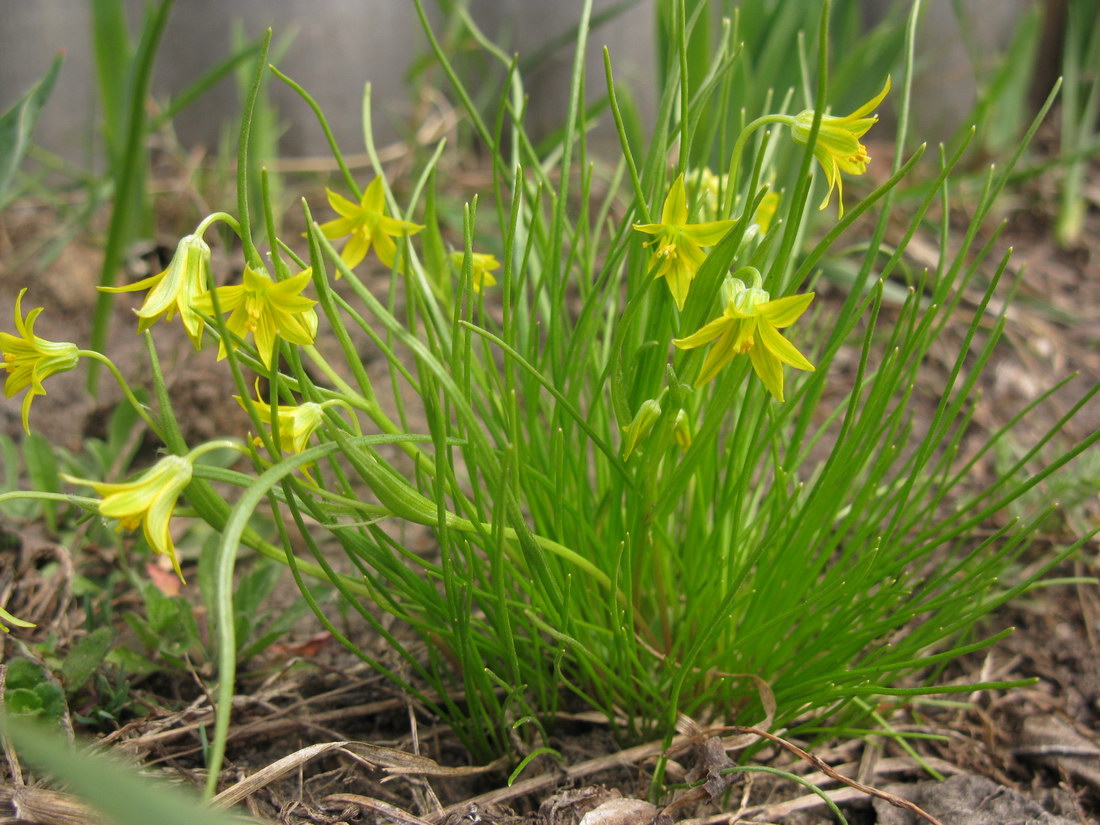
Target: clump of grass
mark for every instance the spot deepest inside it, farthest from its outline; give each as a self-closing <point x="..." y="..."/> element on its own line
<point x="650" y="493"/>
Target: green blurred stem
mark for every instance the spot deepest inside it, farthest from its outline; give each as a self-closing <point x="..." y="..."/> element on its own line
<point x="217" y="515"/>
<point x="661" y="561"/>
<point x="252" y="256"/>
<point x="215" y="512"/>
<point x="551" y="546"/>
<point x="140" y="408"/>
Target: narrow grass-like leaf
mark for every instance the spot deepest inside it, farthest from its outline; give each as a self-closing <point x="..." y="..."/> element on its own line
<point x="17" y="125"/>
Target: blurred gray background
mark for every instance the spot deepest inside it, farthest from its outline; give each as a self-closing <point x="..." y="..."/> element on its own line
<point x="338" y="45"/>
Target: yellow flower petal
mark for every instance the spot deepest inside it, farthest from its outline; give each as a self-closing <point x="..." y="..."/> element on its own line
<point x="768" y="369"/>
<point x="337" y="228"/>
<point x="781" y="348"/>
<point x="148" y="501"/>
<point x="719" y="355"/>
<point x="296" y="422"/>
<point x="374" y="198"/>
<point x="782" y="312"/>
<point x="341" y="205"/>
<point x="703" y="335"/>
<point x="674" y="211"/>
<point x="355" y="250"/>
<point x="385" y="249"/>
<point x="873" y="103"/>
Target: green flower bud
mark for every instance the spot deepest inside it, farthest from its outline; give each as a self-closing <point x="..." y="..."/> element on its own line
<point x="643" y="422"/>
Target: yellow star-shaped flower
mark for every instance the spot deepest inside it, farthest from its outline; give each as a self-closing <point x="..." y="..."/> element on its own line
<point x="838" y="148"/>
<point x="30" y="360"/>
<point x="175" y="289"/>
<point x="750" y="323"/>
<point x="146" y="502"/>
<point x="679" y="244"/>
<point x="267" y="309"/>
<point x="367" y="224"/>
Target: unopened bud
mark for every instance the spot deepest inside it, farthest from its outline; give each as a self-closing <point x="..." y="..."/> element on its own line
<point x="643" y="422"/>
<point x="681" y="430"/>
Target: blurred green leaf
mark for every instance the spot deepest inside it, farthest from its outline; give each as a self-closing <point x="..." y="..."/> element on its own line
<point x="17" y="124"/>
<point x="120" y="794"/>
<point x="112" y="49"/>
<point x="132" y="662"/>
<point x="172" y="620"/>
<point x="23" y="673"/>
<point x="11" y="463"/>
<point x="28" y="693"/>
<point x="85" y="657"/>
<point x="120" y="429"/>
<point x="41" y="463"/>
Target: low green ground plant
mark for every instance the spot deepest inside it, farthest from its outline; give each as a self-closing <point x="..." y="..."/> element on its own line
<point x="168" y="632"/>
<point x="617" y="405"/>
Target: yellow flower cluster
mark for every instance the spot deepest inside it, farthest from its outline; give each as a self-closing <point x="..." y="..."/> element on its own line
<point x="750" y="319"/>
<point x="268" y="310"/>
<point x="176" y="289"/>
<point x="259" y="306"/>
<point x="366" y="225"/>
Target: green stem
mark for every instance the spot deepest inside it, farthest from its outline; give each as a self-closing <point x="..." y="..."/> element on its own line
<point x="139" y="408"/>
<point x="639" y="193"/>
<point x="224" y="217"/>
<point x="37" y="495"/>
<point x="739" y="147"/>
<point x="251" y="255"/>
<point x="551" y="546"/>
<point x="352" y="396"/>
<point x="349" y="179"/>
<point x="220" y="444"/>
<point x="371" y="408"/>
<point x="340" y="402"/>
<point x="264" y="548"/>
